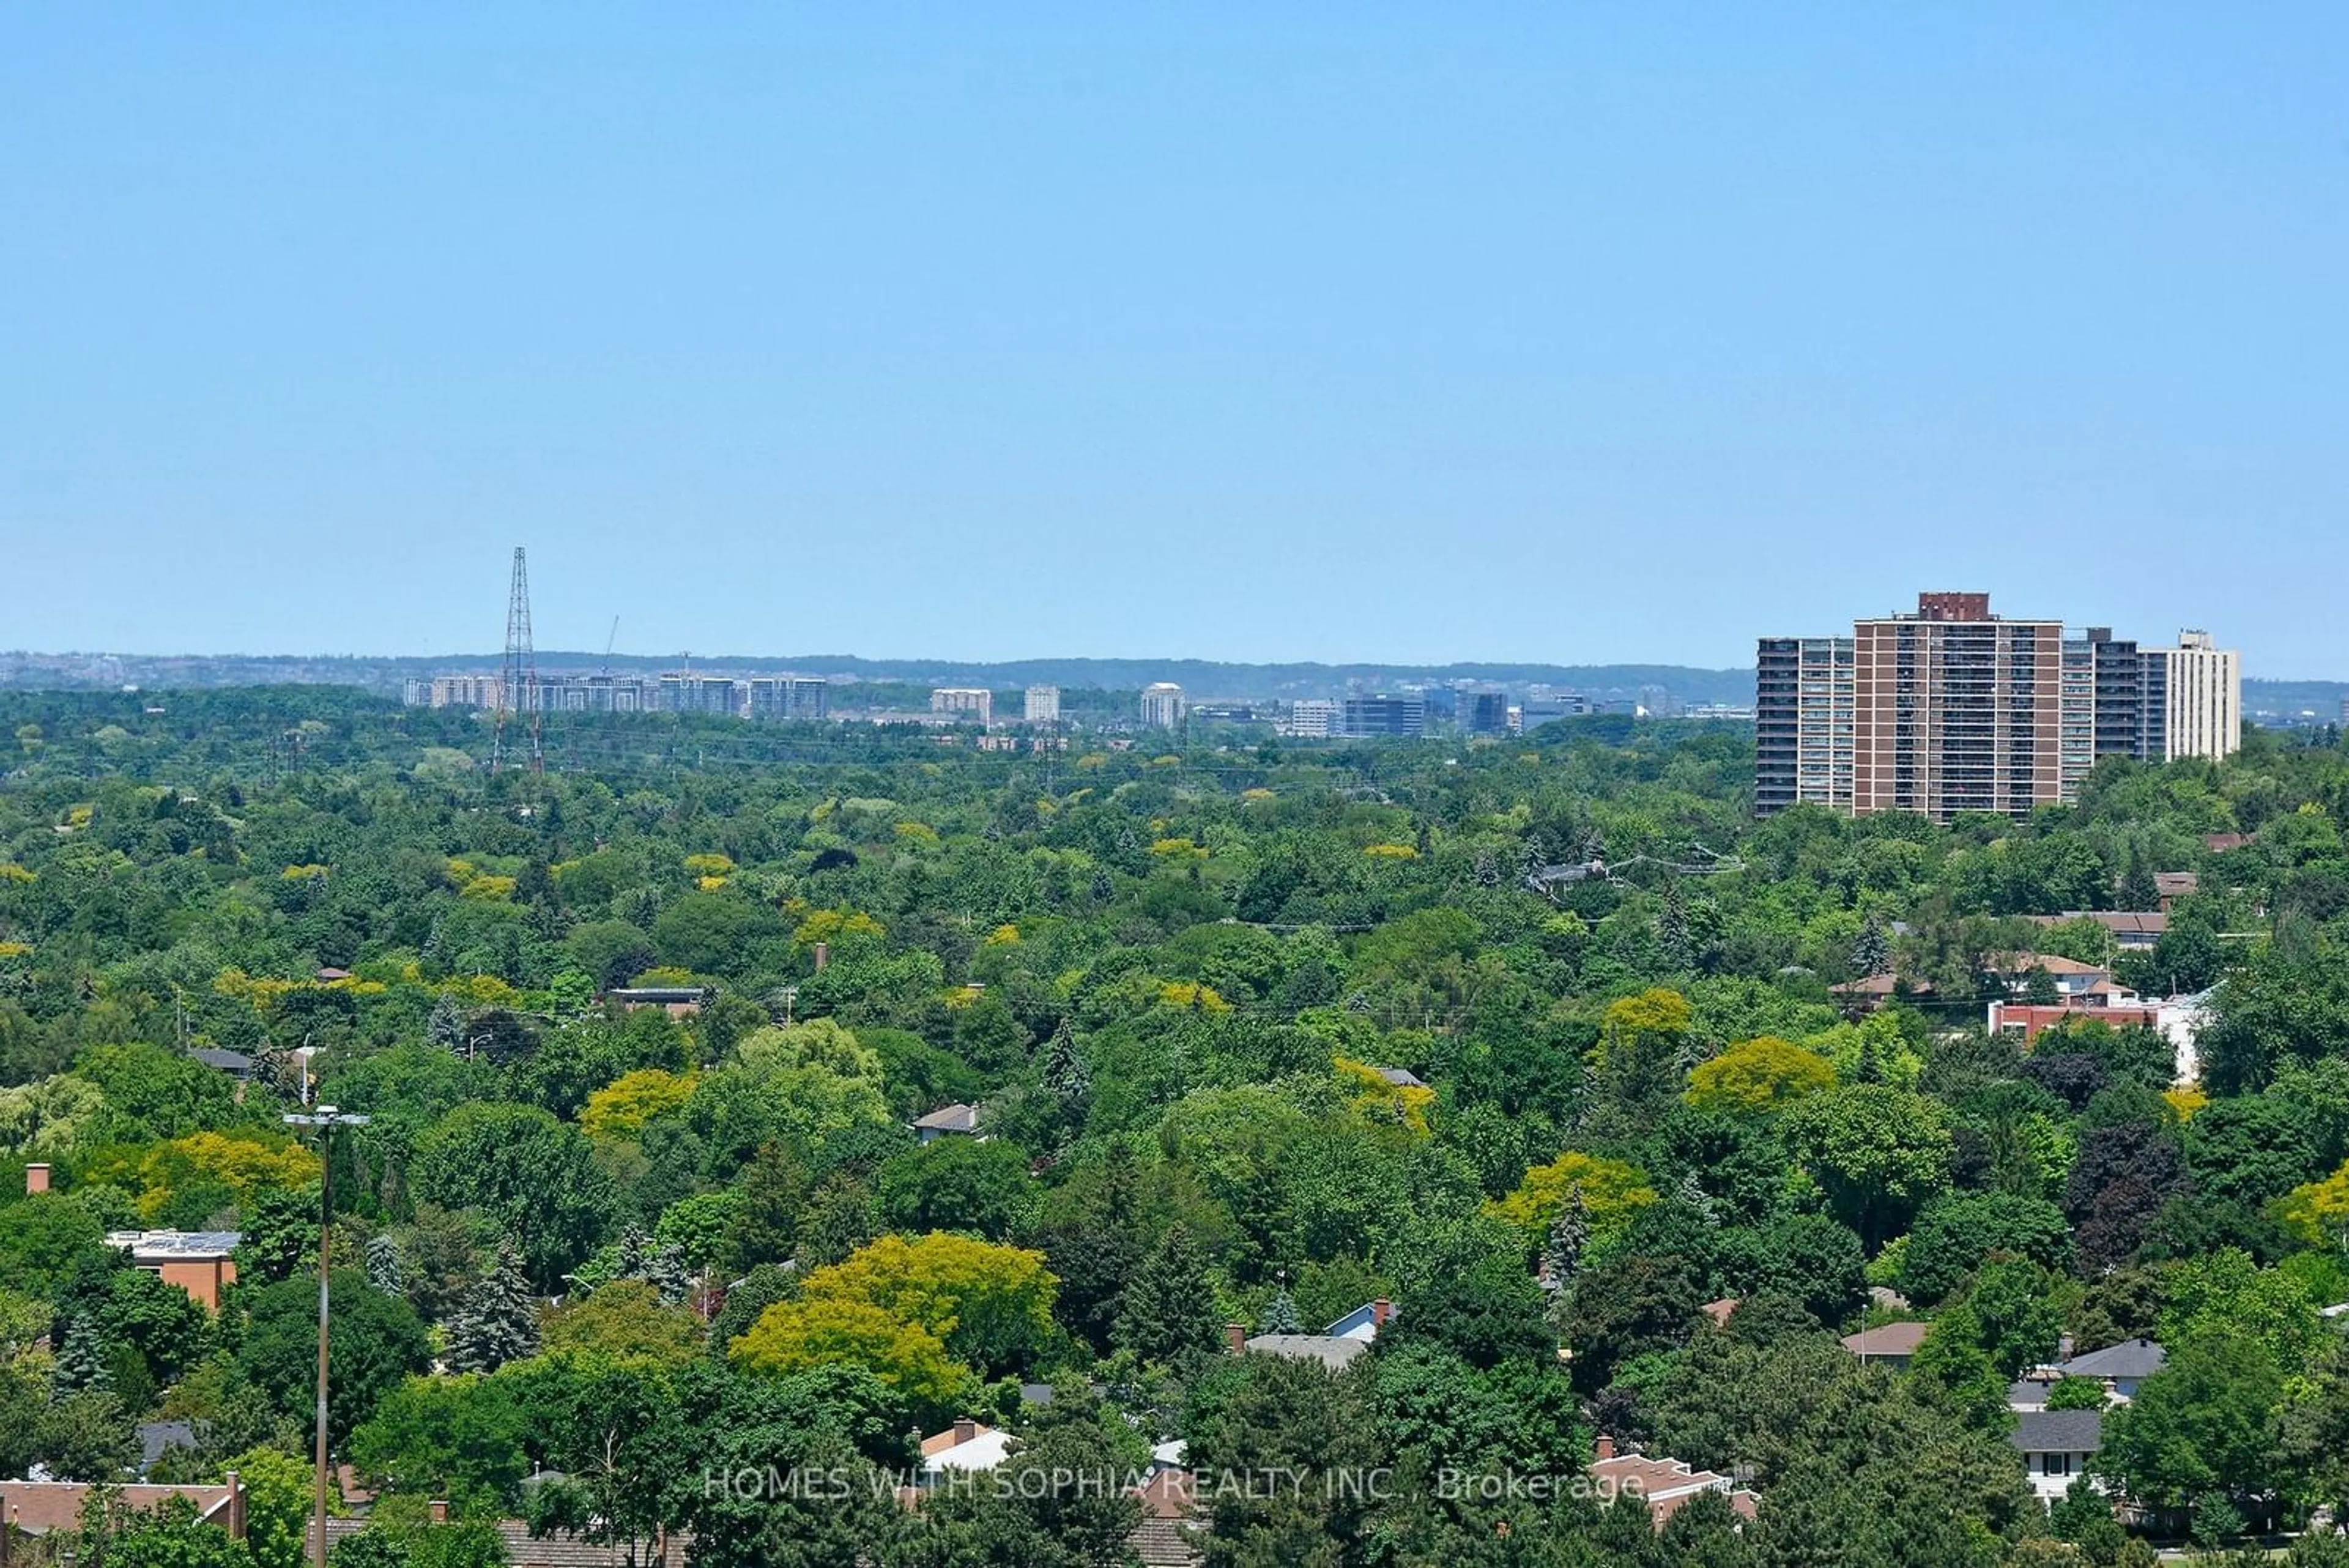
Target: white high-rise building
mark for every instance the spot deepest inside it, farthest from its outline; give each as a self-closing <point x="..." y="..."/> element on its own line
<point x="972" y="704"/>
<point x="1162" y="705"/>
<point x="2202" y="699"/>
<point x="1043" y="705"/>
<point x="1313" y="718"/>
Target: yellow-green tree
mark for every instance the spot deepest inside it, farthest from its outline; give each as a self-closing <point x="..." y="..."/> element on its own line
<point x="988" y="1307"/>
<point x="2317" y="1211"/>
<point x="1612" y="1191"/>
<point x="245" y="1166"/>
<point x="793" y="1336"/>
<point x="1762" y="1075"/>
<point x="622" y="1107"/>
<point x="277" y="1506"/>
<point x="1368" y="1094"/>
<point x="1641" y="1039"/>
<point x="624" y="1319"/>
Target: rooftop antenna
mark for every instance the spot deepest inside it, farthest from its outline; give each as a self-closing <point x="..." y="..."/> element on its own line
<point x="518" y="683"/>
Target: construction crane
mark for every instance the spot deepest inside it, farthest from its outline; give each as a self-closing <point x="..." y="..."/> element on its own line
<point x="613" y="637"/>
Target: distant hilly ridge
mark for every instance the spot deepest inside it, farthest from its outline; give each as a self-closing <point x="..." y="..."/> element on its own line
<point x="1199" y="677"/>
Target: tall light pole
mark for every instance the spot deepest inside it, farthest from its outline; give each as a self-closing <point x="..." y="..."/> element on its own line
<point x="326" y="1118"/>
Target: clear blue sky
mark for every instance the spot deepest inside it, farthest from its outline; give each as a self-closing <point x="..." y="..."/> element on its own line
<point x="1554" y="332"/>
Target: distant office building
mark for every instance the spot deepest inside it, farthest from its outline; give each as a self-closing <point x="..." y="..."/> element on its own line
<point x="1953" y="710"/>
<point x="967" y="704"/>
<point x="1367" y="717"/>
<point x="1225" y="713"/>
<point x="2202" y="712"/>
<point x="2126" y="699"/>
<point x="1802" y="722"/>
<point x="1545" y="704"/>
<point x="1957" y="710"/>
<point x="599" y="694"/>
<point x="2159" y="704"/>
<point x="790" y="697"/>
<point x="1042" y="705"/>
<point x="689" y="691"/>
<point x="1313" y="719"/>
<point x="465" y="691"/>
<point x="1485" y="713"/>
<point x="1162" y="705"/>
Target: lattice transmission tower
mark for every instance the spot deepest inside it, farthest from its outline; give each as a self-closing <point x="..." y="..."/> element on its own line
<point x="518" y="682"/>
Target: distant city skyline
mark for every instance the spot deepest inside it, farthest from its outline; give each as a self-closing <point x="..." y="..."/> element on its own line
<point x="1532" y="332"/>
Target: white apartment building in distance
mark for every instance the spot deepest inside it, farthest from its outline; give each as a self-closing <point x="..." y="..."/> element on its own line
<point x="968" y="704"/>
<point x="1162" y="705"/>
<point x="2203" y="700"/>
<point x="1313" y="718"/>
<point x="1043" y="705"/>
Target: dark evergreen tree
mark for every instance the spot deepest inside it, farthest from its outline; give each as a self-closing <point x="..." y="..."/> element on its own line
<point x="1871" y="950"/>
<point x="635" y="1254"/>
<point x="446" y="1026"/>
<point x="1281" y="1316"/>
<point x="666" y="1272"/>
<point x="383" y="1266"/>
<point x="2139" y="890"/>
<point x="1169" y="1312"/>
<point x="1064" y="1076"/>
<point x="498" y="1323"/>
<point x="81" y="1359"/>
<point x="1570" y="1234"/>
<point x="1672" y="934"/>
<point x="1870" y="1069"/>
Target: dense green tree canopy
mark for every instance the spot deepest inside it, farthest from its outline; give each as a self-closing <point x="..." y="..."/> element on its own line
<point x="1250" y="1033"/>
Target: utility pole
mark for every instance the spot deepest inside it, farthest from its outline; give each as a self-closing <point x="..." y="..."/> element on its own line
<point x="327" y="1119"/>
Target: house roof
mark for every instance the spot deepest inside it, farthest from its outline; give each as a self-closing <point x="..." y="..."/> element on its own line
<point x="1873" y="985"/>
<point x="1362" y="1322"/>
<point x="1329" y="1349"/>
<point x="949" y="1119"/>
<point x="2120" y="922"/>
<point x="2129" y="1358"/>
<point x="1401" y="1077"/>
<point x="1719" y="1311"/>
<point x="38" y="1507"/>
<point x="1888" y="1339"/>
<point x="985" y="1448"/>
<point x="179" y="1246"/>
<point x="2220" y="843"/>
<point x="1162" y="1539"/>
<point x="1665" y="1485"/>
<point x="559" y="1550"/>
<point x="2176" y="884"/>
<point x="235" y="1061"/>
<point x="155" y="1437"/>
<point x="2059" y="1431"/>
<point x="2054" y="964"/>
<point x="1167" y="1495"/>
